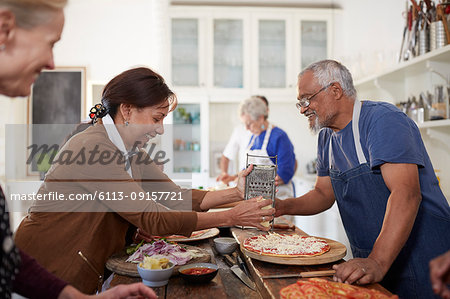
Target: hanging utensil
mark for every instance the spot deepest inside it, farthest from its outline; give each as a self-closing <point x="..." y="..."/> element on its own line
<point x="441" y="16"/>
<point x="405" y="31"/>
<point x="407" y="53"/>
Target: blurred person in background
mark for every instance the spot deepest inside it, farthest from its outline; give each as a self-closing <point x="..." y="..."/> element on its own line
<point x="269" y="140"/>
<point x="236" y="148"/>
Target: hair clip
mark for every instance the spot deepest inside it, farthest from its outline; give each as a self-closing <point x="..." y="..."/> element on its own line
<point x="98" y="111"/>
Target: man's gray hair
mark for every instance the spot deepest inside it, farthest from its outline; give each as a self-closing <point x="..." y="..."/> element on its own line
<point x="328" y="71"/>
<point x="31" y="13"/>
<point x="255" y="107"/>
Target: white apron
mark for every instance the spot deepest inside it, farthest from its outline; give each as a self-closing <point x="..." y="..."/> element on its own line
<point x="285" y="190"/>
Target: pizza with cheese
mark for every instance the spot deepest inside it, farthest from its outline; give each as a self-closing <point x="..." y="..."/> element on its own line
<point x="315" y="288"/>
<point x="281" y="245"/>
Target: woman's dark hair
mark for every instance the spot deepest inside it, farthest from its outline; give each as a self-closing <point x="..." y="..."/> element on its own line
<point x="140" y="87"/>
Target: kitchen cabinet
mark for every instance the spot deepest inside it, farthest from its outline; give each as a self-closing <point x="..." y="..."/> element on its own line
<point x="410" y="78"/>
<point x="207" y="51"/>
<point x="231" y="53"/>
<point x="185" y="142"/>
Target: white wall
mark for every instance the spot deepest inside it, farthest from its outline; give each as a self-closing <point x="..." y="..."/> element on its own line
<point x="368" y="34"/>
<point x="107" y="37"/>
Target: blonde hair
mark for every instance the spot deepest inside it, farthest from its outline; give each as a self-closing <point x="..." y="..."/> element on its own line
<point x="30" y="13"/>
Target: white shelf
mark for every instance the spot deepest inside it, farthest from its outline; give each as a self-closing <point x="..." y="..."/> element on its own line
<point x="417" y="65"/>
<point x="410" y="78"/>
<point x="435" y="124"/>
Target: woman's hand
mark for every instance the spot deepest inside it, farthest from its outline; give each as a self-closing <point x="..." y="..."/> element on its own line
<point x="226" y="178"/>
<point x="359" y="271"/>
<point x="123" y="291"/>
<point x="278" y="181"/>
<point x="140" y="235"/>
<point x="249" y="213"/>
<point x="135" y="290"/>
<point x="241" y="180"/>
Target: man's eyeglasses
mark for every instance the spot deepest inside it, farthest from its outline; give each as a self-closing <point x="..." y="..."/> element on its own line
<point x="304" y="102"/>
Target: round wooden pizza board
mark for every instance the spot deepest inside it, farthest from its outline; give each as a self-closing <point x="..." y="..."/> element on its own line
<point x="117" y="262"/>
<point x="337" y="251"/>
<point x="209" y="233"/>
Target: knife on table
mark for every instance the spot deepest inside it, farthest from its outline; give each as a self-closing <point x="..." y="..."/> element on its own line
<point x="240" y="263"/>
<point x="239" y="273"/>
<point x="321" y="273"/>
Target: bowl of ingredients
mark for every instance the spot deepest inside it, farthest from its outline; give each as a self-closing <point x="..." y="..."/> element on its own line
<point x="225" y="245"/>
<point x="198" y="272"/>
<point x="155" y="272"/>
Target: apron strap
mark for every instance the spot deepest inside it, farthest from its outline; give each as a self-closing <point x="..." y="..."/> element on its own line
<point x="266" y="137"/>
<point x="356" y="136"/>
<point x="265" y="141"/>
<point x="355" y="128"/>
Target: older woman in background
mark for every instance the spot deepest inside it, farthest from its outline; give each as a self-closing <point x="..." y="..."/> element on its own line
<point x="28" y="31"/>
<point x="269" y="140"/>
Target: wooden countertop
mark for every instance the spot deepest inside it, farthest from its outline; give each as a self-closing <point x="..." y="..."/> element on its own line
<point x="270" y="288"/>
<point x="226" y="284"/>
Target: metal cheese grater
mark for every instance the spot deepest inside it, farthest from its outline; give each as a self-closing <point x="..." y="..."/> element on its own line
<point x="261" y="181"/>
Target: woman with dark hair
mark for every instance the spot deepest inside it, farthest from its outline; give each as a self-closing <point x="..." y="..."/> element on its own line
<point x="107" y="163"/>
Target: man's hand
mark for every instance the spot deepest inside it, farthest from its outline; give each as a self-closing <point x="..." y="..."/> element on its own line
<point x="359" y="271"/>
<point x="279" y="207"/>
<point x="440" y="275"/>
<point x="241" y="180"/>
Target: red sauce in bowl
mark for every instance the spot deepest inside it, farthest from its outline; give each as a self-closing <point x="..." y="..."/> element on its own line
<point x="198" y="271"/>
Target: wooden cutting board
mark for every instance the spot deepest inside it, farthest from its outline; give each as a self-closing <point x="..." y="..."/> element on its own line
<point x="117" y="262"/>
<point x="336" y="252"/>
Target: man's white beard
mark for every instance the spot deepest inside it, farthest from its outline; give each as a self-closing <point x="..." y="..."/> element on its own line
<point x="315" y="127"/>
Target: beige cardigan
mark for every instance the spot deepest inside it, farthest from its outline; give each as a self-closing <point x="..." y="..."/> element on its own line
<point x="54" y="238"/>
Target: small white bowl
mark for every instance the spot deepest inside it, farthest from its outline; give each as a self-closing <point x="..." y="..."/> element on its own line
<point x="225" y="245"/>
<point x="155" y="277"/>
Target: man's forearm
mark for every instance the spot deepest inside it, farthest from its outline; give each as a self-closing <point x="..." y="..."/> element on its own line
<point x="311" y="203"/>
<point x="398" y="222"/>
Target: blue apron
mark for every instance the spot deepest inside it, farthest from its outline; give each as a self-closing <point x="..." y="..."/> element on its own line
<point x="362" y="195"/>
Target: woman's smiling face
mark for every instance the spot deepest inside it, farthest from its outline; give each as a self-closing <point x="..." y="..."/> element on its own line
<point x="144" y="124"/>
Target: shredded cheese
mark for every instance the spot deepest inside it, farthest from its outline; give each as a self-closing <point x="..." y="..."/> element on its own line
<point x="286" y="244"/>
